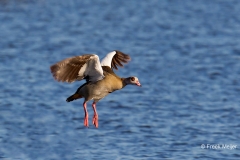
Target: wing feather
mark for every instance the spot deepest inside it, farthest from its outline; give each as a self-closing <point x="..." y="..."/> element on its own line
<point x="114" y="65"/>
<point x="115" y="59"/>
<point x="119" y="58"/>
<point x="118" y="62"/>
<point x="78" y="67"/>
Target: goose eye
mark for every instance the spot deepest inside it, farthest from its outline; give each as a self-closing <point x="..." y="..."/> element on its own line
<point x="132" y="79"/>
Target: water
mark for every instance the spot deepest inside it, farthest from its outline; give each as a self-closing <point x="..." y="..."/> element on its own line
<point x="185" y="53"/>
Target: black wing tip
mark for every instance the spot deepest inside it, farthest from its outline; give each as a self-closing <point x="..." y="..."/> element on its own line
<point x="123" y="55"/>
<point x="119" y="58"/>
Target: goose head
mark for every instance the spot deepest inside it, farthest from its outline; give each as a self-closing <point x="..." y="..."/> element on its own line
<point x="132" y="81"/>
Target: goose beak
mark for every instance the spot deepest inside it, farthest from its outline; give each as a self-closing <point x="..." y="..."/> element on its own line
<point x="138" y="84"/>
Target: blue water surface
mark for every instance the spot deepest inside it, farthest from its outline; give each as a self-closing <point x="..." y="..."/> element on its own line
<point x="186" y="55"/>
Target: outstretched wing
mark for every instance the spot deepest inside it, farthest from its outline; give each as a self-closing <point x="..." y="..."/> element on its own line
<point x="114" y="59"/>
<point x="78" y="67"/>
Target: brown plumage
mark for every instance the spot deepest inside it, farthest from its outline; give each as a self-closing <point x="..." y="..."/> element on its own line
<point x="67" y="70"/>
<point x="101" y="80"/>
<point x="118" y="59"/>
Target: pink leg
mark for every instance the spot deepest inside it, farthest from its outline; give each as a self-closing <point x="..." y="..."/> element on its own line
<point x="86" y="114"/>
<point x="95" y="117"/>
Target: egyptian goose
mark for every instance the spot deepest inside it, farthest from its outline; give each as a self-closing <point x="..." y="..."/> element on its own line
<point x="100" y="78"/>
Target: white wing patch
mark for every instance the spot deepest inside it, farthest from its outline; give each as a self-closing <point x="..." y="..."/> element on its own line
<point x="92" y="68"/>
<point x="107" y="60"/>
